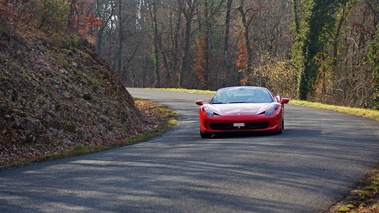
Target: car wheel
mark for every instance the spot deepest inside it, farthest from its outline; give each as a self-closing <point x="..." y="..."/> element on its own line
<point x="280" y="131"/>
<point x="205" y="135"/>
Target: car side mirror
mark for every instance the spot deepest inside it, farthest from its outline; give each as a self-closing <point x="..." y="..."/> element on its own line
<point x="277" y="98"/>
<point x="284" y="100"/>
<point x="200" y="102"/>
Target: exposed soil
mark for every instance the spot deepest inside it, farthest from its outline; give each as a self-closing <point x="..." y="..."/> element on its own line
<point x="56" y="94"/>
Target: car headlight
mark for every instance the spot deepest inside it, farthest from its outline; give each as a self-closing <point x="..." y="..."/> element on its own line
<point x="270" y="110"/>
<point x="209" y="112"/>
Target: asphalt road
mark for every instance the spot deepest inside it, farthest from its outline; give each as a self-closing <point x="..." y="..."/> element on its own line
<point x="317" y="159"/>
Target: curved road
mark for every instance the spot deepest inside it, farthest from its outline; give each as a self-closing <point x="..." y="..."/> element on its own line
<point x="317" y="159"/>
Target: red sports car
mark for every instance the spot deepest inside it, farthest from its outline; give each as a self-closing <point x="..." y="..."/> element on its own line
<point x="241" y="109"/>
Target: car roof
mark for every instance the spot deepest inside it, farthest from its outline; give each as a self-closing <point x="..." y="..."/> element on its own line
<point x="241" y="87"/>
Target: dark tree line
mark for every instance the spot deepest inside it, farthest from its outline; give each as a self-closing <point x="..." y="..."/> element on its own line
<point x="198" y="44"/>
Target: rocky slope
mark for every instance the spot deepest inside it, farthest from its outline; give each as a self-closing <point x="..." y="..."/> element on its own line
<point x="57" y="94"/>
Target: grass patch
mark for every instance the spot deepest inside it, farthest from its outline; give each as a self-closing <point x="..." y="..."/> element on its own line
<point x="195" y="91"/>
<point x="366" y="113"/>
<point x="363" y="199"/>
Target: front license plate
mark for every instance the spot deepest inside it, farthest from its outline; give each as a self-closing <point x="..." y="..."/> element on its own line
<point x="239" y="124"/>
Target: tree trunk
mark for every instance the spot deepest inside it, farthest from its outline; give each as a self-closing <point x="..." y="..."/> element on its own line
<point x="226" y="36"/>
<point x="153" y="14"/>
<point x="187" y="9"/>
<point x="100" y="33"/>
<point x="246" y="23"/>
<point x="120" y="39"/>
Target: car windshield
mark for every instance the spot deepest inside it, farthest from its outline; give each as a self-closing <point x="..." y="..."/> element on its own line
<point x="241" y="95"/>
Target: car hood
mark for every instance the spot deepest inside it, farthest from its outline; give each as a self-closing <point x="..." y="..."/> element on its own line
<point x="239" y="108"/>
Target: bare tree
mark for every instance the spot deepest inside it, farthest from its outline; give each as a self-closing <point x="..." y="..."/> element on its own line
<point x="104" y="9"/>
<point x="187" y="8"/>
<point x="152" y="5"/>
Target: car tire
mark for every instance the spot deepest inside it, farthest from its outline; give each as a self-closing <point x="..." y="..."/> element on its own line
<point x="281" y="128"/>
<point x="205" y="135"/>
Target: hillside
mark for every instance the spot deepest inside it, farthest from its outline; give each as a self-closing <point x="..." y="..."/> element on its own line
<point x="56" y="95"/>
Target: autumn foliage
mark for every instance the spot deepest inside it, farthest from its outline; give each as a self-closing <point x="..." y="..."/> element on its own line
<point x="241" y="55"/>
<point x="242" y="58"/>
<point x="50" y="15"/>
<point x="81" y="20"/>
<point x="199" y="65"/>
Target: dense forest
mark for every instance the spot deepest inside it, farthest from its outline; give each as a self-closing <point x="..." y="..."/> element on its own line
<point x="317" y="50"/>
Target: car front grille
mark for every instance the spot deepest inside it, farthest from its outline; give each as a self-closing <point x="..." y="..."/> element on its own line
<point x="229" y="126"/>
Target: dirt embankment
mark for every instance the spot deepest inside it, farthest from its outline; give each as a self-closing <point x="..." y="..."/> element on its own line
<point x="56" y="94"/>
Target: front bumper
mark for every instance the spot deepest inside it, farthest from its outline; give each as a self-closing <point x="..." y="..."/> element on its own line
<point x="254" y="123"/>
